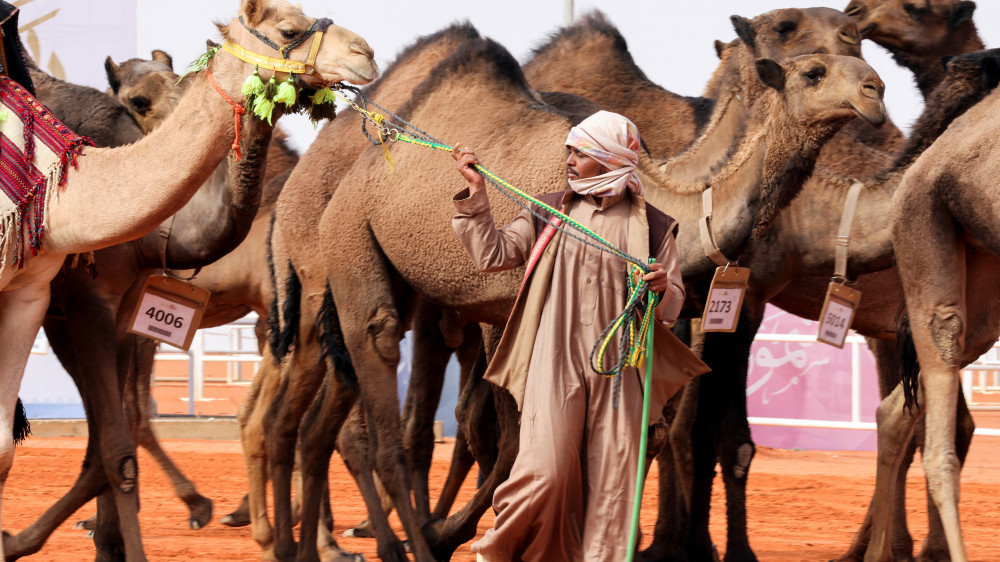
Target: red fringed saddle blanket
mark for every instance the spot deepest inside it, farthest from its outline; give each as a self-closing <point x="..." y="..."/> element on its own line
<point x="35" y="150"/>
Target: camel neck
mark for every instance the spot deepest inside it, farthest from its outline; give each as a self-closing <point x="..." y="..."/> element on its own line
<point x="119" y="194"/>
<point x="926" y="67"/>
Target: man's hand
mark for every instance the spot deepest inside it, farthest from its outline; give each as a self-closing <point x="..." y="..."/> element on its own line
<point x="657" y="278"/>
<point x="467" y="159"/>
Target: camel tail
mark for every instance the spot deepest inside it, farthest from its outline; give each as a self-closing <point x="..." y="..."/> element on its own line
<point x="281" y="330"/>
<point x="909" y="365"/>
<point x="22" y="429"/>
<point x="331" y="340"/>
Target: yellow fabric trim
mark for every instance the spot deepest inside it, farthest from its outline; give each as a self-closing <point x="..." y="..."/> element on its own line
<point x="314" y="49"/>
<point x="262" y="61"/>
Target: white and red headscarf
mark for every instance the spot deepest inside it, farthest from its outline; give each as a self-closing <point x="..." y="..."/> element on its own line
<point x="612" y="140"/>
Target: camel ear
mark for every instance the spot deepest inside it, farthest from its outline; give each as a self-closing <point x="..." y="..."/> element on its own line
<point x="720" y="48"/>
<point x="160" y="56"/>
<point x="253" y="11"/>
<point x="945" y="60"/>
<point x="961" y="13"/>
<point x="744" y="30"/>
<point x="991" y="72"/>
<point x="770" y="73"/>
<point x="211" y="44"/>
<point x="112" y="70"/>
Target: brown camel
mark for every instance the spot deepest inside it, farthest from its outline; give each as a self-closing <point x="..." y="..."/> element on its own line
<point x="210" y="224"/>
<point x="775" y="263"/>
<point x="301" y="281"/>
<point x="947" y="254"/>
<point x="127" y="174"/>
<point x="499" y="85"/>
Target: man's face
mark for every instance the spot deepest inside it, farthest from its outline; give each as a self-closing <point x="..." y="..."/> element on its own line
<point x="579" y="166"/>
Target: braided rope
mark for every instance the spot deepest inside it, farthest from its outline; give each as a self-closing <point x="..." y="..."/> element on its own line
<point x="633" y="338"/>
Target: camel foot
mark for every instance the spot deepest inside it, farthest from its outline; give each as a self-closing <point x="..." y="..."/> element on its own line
<point x="360" y="531"/>
<point x="443" y="539"/>
<point x="659" y="553"/>
<point x="200" y="508"/>
<point x="736" y="555"/>
<point x="393" y="552"/>
<point x="88" y="524"/>
<point x="240" y="517"/>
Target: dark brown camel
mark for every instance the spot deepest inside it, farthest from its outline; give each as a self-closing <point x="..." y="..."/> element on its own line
<point x="488" y="297"/>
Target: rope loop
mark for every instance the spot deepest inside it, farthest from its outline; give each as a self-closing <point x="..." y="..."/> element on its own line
<point x="238" y="111"/>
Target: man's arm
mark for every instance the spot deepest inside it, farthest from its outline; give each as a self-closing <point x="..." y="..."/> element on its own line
<point x="665" y="278"/>
<point x="491" y="249"/>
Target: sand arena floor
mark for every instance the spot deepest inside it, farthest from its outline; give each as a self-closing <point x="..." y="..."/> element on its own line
<point x="803" y="505"/>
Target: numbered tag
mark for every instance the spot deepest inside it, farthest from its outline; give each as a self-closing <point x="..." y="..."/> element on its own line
<point x="725" y="299"/>
<point x="169" y="311"/>
<point x="838" y="313"/>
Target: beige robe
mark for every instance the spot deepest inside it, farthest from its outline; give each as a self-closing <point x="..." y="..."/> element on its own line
<point x="569" y="493"/>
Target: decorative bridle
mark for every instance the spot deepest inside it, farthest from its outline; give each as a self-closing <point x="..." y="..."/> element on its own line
<point x="262" y="98"/>
<point x="284" y="64"/>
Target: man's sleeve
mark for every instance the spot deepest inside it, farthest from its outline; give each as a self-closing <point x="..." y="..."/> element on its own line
<point x="490" y="248"/>
<point x="673" y="298"/>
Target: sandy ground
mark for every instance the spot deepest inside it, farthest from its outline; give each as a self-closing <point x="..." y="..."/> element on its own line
<point x="803" y="505"/>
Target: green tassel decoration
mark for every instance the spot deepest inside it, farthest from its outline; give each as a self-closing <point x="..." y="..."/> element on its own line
<point x="286" y="93"/>
<point x="263" y="107"/>
<point x="200" y="64"/>
<point x="253" y="85"/>
<point x="323" y="95"/>
<point x="270" y="89"/>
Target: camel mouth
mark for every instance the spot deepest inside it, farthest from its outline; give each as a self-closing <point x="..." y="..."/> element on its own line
<point x="358" y="75"/>
<point x="875" y="116"/>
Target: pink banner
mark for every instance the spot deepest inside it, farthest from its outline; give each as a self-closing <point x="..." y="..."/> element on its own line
<point x="808" y="381"/>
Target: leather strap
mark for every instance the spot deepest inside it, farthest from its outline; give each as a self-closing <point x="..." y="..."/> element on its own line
<point x="707" y="239"/>
<point x="843" y="238"/>
<point x="164" y="233"/>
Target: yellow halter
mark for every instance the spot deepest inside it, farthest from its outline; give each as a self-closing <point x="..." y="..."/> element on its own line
<point x="275" y="64"/>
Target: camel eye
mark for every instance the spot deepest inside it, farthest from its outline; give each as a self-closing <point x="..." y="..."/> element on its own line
<point x="815" y="74"/>
<point x="785" y="27"/>
<point x="140" y="103"/>
<point x="915" y="13"/>
<point x="288" y="34"/>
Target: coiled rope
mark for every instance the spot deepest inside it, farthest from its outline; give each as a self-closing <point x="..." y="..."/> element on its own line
<point x="632" y="345"/>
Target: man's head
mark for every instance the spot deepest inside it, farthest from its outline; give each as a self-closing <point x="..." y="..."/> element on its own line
<point x="603" y="155"/>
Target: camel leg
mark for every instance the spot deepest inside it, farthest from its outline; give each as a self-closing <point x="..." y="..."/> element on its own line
<point x="480" y="420"/>
<point x="305" y="369"/>
<point x="253" y="418"/>
<point x="721" y="432"/>
<point x="934" y="279"/>
<point x="671" y="520"/>
<point x="137" y="390"/>
<point x="431" y="354"/>
<point x="355" y="444"/>
<point x="372" y="330"/>
<point x="461" y="457"/>
<point x="934" y="546"/>
<point x="320" y="424"/>
<point x="365" y="529"/>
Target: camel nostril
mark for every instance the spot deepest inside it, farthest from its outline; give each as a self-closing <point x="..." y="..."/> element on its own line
<point x="853" y="9"/>
<point x="870" y="90"/>
<point x="867" y="30"/>
<point x="361" y="47"/>
<point x="849" y="37"/>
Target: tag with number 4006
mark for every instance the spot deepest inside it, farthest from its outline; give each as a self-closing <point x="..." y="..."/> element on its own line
<point x="169" y="311"/>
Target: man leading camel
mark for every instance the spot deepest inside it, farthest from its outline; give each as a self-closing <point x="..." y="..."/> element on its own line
<point x="569" y="493"/>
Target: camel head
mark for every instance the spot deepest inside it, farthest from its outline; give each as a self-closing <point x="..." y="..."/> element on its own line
<point x="915" y="27"/>
<point x="782" y="34"/>
<point x="278" y="29"/>
<point x="981" y="66"/>
<point x="825" y="89"/>
<point x="147" y="88"/>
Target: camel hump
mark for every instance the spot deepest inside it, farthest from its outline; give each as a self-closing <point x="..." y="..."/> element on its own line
<point x="479" y="56"/>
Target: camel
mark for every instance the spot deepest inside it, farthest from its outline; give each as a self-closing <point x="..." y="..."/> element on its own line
<point x="140" y="84"/>
<point x="301" y="278"/>
<point x="113" y="173"/>
<point x="500" y="85"/>
<point x="947" y="256"/>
